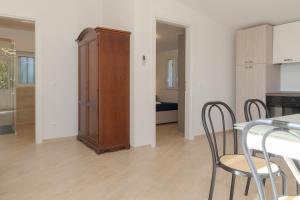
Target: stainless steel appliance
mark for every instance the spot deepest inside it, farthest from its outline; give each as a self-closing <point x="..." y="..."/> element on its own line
<point x="281" y="104"/>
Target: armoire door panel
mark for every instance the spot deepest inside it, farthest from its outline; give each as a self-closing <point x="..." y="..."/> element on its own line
<point x="82" y="90"/>
<point x="82" y="120"/>
<point x="114" y="88"/>
<point x="93" y="91"/>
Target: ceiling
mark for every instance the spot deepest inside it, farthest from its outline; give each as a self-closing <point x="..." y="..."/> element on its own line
<point x="167" y="36"/>
<point x="244" y="13"/>
<point x="16" y="24"/>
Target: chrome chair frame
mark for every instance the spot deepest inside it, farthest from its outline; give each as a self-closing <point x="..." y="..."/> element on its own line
<point x="248" y="116"/>
<point x="278" y="125"/>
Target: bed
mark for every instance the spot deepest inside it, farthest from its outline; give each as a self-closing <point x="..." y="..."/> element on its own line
<point x="166" y="112"/>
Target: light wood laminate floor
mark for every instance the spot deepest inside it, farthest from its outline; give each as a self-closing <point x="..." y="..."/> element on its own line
<point x="67" y="170"/>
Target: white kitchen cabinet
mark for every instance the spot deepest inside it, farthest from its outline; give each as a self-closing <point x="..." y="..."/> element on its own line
<point x="255" y="73"/>
<point x="286" y="41"/>
<point x="253" y="44"/>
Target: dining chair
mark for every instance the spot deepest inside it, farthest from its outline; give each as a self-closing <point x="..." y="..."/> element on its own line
<point x="234" y="163"/>
<point x="275" y="126"/>
<point x="259" y="106"/>
<point x="261" y="111"/>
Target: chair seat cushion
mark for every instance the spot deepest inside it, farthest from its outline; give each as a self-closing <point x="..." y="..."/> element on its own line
<point x="290" y="198"/>
<point x="239" y="163"/>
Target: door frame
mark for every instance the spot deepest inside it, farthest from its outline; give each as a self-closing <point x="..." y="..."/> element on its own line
<point x="188" y="134"/>
<point x="38" y="77"/>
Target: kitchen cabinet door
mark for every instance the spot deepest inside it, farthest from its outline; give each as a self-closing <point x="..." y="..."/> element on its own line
<point x="250" y="84"/>
<point x="242" y="94"/>
<point x="286" y="43"/>
<point x="258" y="81"/>
<point x="252" y="45"/>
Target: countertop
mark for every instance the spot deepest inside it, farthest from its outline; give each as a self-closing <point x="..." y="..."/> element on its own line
<point x="284" y="94"/>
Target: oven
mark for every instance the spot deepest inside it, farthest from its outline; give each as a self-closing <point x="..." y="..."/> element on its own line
<point x="283" y="105"/>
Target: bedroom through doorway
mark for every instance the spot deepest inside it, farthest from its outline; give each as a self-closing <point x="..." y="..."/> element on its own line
<point x="170" y="81"/>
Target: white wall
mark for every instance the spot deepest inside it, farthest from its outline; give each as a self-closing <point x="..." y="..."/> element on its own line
<point x="58" y="25"/>
<point x="60" y="22"/>
<point x="119" y="14"/>
<point x="164" y="94"/>
<point x="212" y="59"/>
<point x="290" y="74"/>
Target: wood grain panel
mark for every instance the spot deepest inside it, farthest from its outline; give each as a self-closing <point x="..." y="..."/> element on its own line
<point x="114" y="56"/>
<point x="25" y="105"/>
<point x="82" y="73"/>
<point x="93" y="91"/>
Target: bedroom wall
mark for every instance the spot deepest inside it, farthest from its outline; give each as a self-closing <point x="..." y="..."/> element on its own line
<point x="212" y="60"/>
<point x="58" y="25"/>
<point x="164" y="94"/>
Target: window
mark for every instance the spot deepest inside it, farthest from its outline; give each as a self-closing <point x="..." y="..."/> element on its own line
<point x="171" y="74"/>
<point x="3" y="75"/>
<point x="26" y="70"/>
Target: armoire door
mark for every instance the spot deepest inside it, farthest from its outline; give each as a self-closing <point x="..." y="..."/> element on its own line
<point x="92" y="92"/>
<point x="114" y="98"/>
<point x="82" y="101"/>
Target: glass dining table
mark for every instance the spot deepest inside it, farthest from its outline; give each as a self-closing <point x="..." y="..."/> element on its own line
<point x="280" y="143"/>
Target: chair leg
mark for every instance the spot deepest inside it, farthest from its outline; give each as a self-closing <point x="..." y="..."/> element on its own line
<point x="212" y="184"/>
<point x="298" y="188"/>
<point x="247" y="186"/>
<point x="284" y="183"/>
<point x="232" y="187"/>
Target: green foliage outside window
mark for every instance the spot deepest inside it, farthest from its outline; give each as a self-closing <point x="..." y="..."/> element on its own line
<point x="3" y="75"/>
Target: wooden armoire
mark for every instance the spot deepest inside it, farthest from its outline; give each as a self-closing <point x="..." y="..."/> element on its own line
<point x="104" y="75"/>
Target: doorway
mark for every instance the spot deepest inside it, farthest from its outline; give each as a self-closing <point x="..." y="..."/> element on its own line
<point x="170" y="81"/>
<point x="17" y="79"/>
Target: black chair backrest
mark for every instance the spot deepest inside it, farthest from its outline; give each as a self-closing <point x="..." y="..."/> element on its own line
<point x="258" y="105"/>
<point x="222" y="109"/>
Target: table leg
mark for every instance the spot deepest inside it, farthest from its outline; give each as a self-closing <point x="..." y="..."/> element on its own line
<point x="294" y="168"/>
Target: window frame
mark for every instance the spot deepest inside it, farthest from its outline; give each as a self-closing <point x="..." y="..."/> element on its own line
<point x="28" y="55"/>
<point x="174" y="74"/>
